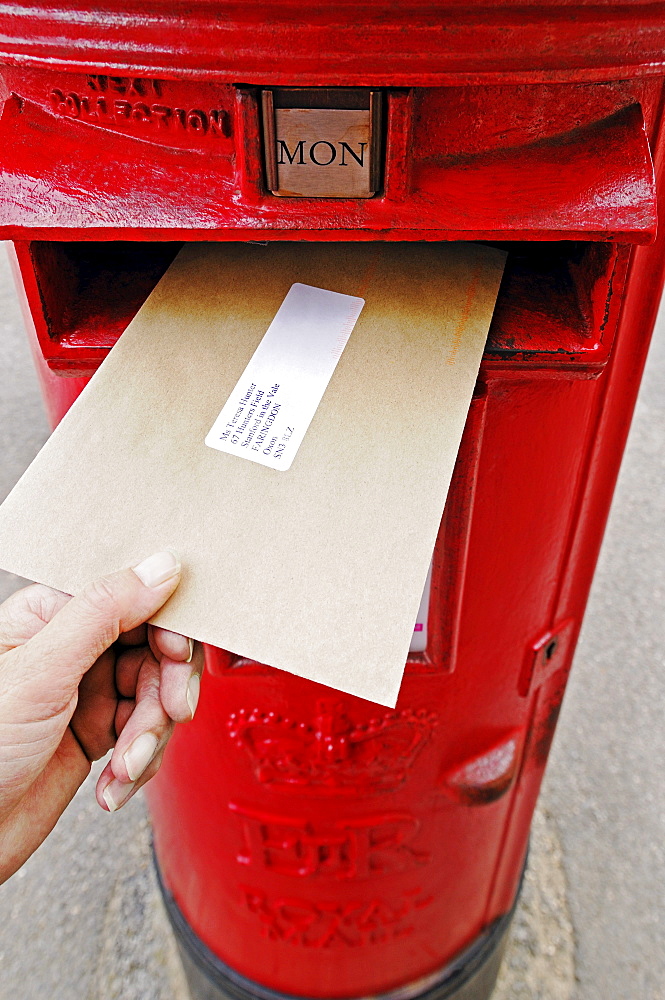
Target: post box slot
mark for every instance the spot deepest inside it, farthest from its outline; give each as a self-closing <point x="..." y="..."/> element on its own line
<point x="87" y="294"/>
<point x="91" y="291"/>
<point x="554" y="305"/>
<point x="555" y="301"/>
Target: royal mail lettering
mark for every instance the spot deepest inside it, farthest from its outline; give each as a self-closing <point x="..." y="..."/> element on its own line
<point x="349" y="849"/>
<point x="330" y="924"/>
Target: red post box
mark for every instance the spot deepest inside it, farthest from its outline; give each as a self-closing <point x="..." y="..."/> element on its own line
<point x="311" y="844"/>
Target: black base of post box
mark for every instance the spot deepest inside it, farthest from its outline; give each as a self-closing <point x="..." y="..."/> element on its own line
<point x="471" y="976"/>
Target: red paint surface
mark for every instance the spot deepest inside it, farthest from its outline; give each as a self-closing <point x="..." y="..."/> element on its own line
<point x="589" y="176"/>
<point x="318" y="844"/>
<point x="404" y="43"/>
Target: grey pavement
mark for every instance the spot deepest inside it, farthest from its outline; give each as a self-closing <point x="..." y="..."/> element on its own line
<point x="82" y="920"/>
<point x="605" y="783"/>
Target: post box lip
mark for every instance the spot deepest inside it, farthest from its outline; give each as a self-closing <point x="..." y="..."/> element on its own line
<point x="616" y="201"/>
<point x="509" y="42"/>
<point x="137" y="234"/>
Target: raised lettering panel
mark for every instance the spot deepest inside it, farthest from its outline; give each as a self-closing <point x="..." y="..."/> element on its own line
<point x="181" y="114"/>
<point x="322" y="153"/>
<point x="365" y="920"/>
<point x="360" y="848"/>
<point x="149" y="119"/>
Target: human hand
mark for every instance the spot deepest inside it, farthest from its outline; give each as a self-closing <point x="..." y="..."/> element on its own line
<point x="81" y="675"/>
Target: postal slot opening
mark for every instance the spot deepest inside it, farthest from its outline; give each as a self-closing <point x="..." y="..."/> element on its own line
<point x="553" y="305"/>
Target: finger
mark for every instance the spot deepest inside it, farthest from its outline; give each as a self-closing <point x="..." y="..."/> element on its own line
<point x="112" y="794"/>
<point x="180" y="682"/>
<point x="147" y="729"/>
<point x="127" y="668"/>
<point x="180" y="685"/>
<point x="125" y="708"/>
<point x="93" y="721"/>
<point x="88" y="624"/>
<point x="26" y="612"/>
<point x="135" y="637"/>
<point x="171" y="644"/>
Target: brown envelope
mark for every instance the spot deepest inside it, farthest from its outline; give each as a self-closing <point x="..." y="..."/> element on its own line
<point x="318" y="570"/>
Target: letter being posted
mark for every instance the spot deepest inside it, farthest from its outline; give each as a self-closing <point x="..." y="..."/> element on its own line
<point x="344" y="374"/>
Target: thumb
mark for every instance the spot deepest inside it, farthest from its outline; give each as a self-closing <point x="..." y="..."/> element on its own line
<point x="88" y="624"/>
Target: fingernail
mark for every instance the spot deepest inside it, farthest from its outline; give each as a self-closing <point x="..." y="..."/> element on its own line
<point x="159" y="568"/>
<point x="116" y="793"/>
<point x="193" y="691"/>
<point x="191" y="651"/>
<point x="139" y="754"/>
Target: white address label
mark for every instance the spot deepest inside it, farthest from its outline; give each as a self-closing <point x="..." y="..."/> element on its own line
<point x="267" y="415"/>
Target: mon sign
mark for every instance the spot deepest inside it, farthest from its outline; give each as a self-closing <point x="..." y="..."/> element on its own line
<point x="320" y="152"/>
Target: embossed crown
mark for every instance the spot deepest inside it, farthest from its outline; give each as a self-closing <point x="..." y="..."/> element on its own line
<point x="332" y="755"/>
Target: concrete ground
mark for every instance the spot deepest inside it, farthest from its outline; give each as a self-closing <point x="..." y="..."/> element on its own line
<point x="82" y="920"/>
